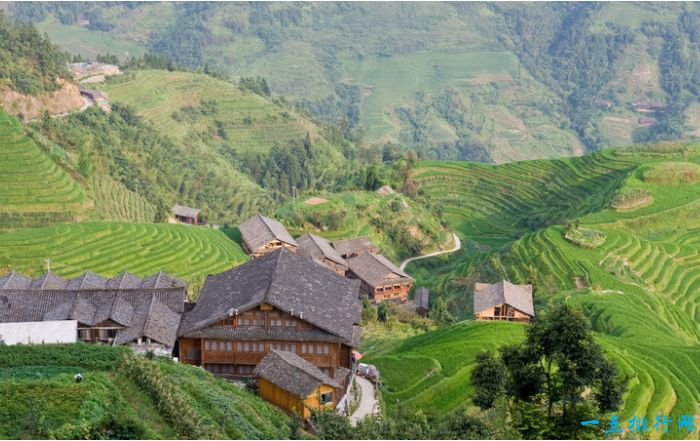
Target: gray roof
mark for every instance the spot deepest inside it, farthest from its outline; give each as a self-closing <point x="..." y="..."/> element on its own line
<point x="376" y="270"/>
<point x="489" y="295"/>
<point x="292" y="373"/>
<point x="181" y="210"/>
<point x="422" y="298"/>
<point x="260" y="230"/>
<point x="356" y="245"/>
<point x="315" y="247"/>
<point x="90" y="299"/>
<point x="286" y="281"/>
<point x="162" y="280"/>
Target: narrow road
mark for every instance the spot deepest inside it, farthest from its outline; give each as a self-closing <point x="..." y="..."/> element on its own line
<point x="458" y="245"/>
<point x="368" y="402"/>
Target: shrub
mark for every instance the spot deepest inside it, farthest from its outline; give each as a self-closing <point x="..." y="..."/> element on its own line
<point x="631" y="198"/>
<point x="80" y="355"/>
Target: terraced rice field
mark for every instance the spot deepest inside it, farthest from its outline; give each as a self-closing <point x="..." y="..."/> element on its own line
<point x="496" y="204"/>
<point x="113" y="201"/>
<point x="250" y="121"/>
<point x="32" y="184"/>
<point x="641" y="287"/>
<point x="109" y="248"/>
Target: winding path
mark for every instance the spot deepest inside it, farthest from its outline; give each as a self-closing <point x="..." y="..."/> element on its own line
<point x="457" y="247"/>
<point x="368" y="402"/>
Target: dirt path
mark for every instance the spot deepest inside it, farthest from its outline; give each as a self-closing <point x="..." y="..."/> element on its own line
<point x="368" y="401"/>
<point x="457" y="247"/>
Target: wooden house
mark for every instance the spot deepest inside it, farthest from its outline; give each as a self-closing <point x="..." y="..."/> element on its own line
<point x="348" y="248"/>
<point x="278" y="301"/>
<point x="380" y="278"/>
<point x="503" y="301"/>
<point x="322" y="252"/>
<point x="421" y="300"/>
<point x="143" y="314"/>
<point x="649" y="107"/>
<point x="262" y="235"/>
<point x="186" y="215"/>
<point x="295" y="385"/>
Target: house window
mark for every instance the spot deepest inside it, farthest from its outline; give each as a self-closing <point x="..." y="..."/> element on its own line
<point x="304" y="349"/>
<point x="229" y="346"/>
<point x="326" y="350"/>
<point x="326" y="398"/>
<point x="193" y="354"/>
<point x="245" y="369"/>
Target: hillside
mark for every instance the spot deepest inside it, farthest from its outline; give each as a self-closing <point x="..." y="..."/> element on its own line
<point x="400" y="227"/>
<point x="109" y="248"/>
<point x="36" y="191"/>
<point x="633" y="269"/>
<point x="487" y="81"/>
<point x="123" y="397"/>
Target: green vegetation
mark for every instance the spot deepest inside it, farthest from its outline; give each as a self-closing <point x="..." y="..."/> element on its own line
<point x="484" y="82"/>
<point x="672" y="173"/>
<point x="398" y="225"/>
<point x="35" y="190"/>
<point x="113" y="201"/>
<point x="109" y="248"/>
<point x="631" y="198"/>
<point x="586" y="237"/>
<point x="638" y="288"/>
<point x="123" y="396"/>
<point x="29" y="62"/>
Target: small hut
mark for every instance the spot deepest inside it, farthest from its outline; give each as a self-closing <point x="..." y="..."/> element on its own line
<point x="187" y="215"/>
<point x="422" y="301"/>
<point x="503" y="301"/>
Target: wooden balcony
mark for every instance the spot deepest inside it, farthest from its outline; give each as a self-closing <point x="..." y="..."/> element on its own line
<point x="232" y="357"/>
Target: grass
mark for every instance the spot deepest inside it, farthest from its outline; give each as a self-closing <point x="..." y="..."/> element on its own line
<point x="115" y="202"/>
<point x="389" y="221"/>
<point x="34" y="187"/>
<point x="109" y="248"/>
<point x="642" y="282"/>
<point x="249" y="121"/>
<point x="42" y="400"/>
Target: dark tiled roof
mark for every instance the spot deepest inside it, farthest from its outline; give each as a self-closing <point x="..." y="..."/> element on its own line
<point x="258" y="333"/>
<point x="354" y="246"/>
<point x="377" y="269"/>
<point x="15" y="281"/>
<point x="260" y="230"/>
<point x="290" y="283"/>
<point x="422" y="298"/>
<point x="315" y="247"/>
<point x="489" y="295"/>
<point x="162" y="280"/>
<point x="183" y="211"/>
<point x="292" y="373"/>
<point x="142" y="312"/>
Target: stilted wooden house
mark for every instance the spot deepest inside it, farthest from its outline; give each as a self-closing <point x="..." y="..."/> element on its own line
<point x="144" y="314"/>
<point x="322" y="252"/>
<point x="422" y="301"/>
<point x="278" y="301"/>
<point x="348" y="248"/>
<point x="503" y="301"/>
<point x="262" y="235"/>
<point x="294" y="384"/>
<point x="380" y="278"/>
<point x="186" y="215"/>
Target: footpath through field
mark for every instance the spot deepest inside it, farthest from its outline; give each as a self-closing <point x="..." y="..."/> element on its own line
<point x="458" y="245"/>
<point x="368" y="402"/>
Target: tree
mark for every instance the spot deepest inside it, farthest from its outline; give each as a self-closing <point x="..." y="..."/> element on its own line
<point x="548" y="374"/>
<point x="382" y="312"/>
<point x="369" y="311"/>
<point x="440" y="313"/>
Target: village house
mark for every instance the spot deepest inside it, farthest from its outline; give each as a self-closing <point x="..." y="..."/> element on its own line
<point x="262" y="235"/>
<point x="99" y="98"/>
<point x="279" y="301"/>
<point x="503" y="301"/>
<point x="92" y="68"/>
<point x="421" y="300"/>
<point x="380" y="279"/>
<point x="186" y="215"/>
<point x="649" y="107"/>
<point x="124" y="310"/>
<point x="322" y="252"/>
<point x="646" y="121"/>
<point x="294" y="384"/>
<point x="348" y="248"/>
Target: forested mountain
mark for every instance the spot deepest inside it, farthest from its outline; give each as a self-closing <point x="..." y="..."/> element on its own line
<point x="480" y="81"/>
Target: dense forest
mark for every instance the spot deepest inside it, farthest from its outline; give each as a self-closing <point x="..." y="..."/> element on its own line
<point x="29" y="62"/>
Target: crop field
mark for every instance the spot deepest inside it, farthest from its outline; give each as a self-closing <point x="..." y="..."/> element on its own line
<point x="640" y="287"/>
<point x="109" y="248"/>
<point x="115" y="202"/>
<point x="249" y="121"/>
<point x="42" y="400"/>
<point x="32" y="184"/>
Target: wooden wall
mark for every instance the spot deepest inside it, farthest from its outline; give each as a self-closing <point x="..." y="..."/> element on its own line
<point x="292" y="403"/>
<point x="515" y="314"/>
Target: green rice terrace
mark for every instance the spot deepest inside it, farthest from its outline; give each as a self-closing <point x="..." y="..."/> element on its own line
<point x="640" y="287"/>
<point x="109" y="248"/>
<point x="35" y="190"/>
<point x="123" y="397"/>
